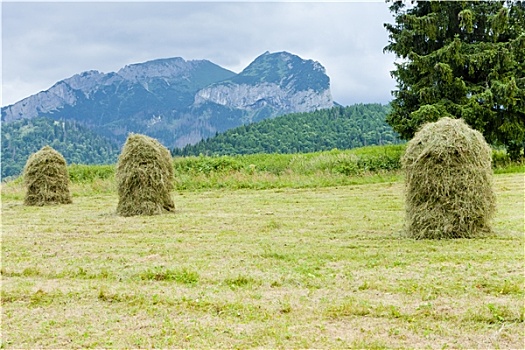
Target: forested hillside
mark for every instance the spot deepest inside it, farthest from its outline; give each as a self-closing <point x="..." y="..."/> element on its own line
<point x="76" y="143"/>
<point x="337" y="127"/>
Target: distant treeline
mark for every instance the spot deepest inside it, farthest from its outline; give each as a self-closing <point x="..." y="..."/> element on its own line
<point x="335" y="128"/>
<point x="76" y="143"/>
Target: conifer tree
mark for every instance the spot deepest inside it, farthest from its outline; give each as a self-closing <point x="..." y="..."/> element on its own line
<point x="461" y="59"/>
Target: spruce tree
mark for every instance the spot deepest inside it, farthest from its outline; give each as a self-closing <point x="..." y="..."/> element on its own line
<point x="461" y="59"/>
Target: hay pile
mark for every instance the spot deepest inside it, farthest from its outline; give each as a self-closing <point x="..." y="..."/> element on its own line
<point x="46" y="178"/>
<point x="144" y="177"/>
<point x="448" y="182"/>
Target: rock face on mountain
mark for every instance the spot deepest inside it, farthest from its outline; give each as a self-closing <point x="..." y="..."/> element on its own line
<point x="278" y="83"/>
<point x="178" y="101"/>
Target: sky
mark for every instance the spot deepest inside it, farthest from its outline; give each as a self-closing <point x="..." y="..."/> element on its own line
<point x="45" y="42"/>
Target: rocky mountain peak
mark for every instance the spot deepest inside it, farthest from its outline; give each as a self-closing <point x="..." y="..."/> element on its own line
<point x="165" y="68"/>
<point x="284" y="68"/>
<point x="275" y="83"/>
<point x="179" y="101"/>
<point x="86" y="81"/>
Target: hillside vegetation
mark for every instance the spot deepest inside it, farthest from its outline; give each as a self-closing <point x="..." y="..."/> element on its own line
<point x="75" y="142"/>
<point x="339" y="127"/>
<point x="363" y="165"/>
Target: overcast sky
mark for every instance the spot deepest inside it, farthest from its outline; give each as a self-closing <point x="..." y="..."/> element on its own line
<point x="44" y="42"/>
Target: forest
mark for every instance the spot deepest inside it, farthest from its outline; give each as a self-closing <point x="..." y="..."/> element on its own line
<point x="335" y="128"/>
<point x="78" y="144"/>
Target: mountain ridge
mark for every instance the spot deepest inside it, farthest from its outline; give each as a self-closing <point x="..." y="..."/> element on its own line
<point x="180" y="102"/>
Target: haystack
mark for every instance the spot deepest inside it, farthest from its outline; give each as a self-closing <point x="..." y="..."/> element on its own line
<point x="448" y="182"/>
<point x="144" y="177"/>
<point x="46" y="178"/>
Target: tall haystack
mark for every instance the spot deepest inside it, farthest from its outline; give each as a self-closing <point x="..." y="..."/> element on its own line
<point x="144" y="177"/>
<point x="46" y="178"/>
<point x="448" y="182"/>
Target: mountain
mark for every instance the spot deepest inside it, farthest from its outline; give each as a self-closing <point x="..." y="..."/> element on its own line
<point x="146" y="97"/>
<point x="180" y="102"/>
<point x="325" y="129"/>
<point x="273" y="84"/>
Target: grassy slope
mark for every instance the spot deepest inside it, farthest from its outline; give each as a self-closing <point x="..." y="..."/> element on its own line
<point x="318" y="267"/>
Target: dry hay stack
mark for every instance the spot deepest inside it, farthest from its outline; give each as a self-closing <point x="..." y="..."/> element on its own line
<point x="144" y="177"/>
<point x="448" y="182"/>
<point x="46" y="178"/>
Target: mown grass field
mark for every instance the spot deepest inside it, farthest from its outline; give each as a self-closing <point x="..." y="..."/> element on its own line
<point x="322" y="264"/>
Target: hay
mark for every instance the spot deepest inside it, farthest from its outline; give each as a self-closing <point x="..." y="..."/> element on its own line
<point x="144" y="177"/>
<point x="46" y="178"/>
<point x="448" y="182"/>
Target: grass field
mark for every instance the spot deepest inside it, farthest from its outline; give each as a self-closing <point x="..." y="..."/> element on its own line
<point x="319" y="267"/>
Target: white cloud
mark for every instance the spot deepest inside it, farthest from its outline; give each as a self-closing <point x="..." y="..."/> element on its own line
<point x="47" y="42"/>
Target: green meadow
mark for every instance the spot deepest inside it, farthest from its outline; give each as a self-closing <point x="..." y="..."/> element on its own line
<point x="267" y="251"/>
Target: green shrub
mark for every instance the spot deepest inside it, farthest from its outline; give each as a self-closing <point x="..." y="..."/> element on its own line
<point x="79" y="173"/>
<point x="206" y="165"/>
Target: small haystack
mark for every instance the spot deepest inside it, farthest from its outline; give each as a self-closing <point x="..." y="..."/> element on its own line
<point x="448" y="182"/>
<point x="46" y="178"/>
<point x="144" y="177"/>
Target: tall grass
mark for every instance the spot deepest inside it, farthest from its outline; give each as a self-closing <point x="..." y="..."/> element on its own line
<point x="335" y="161"/>
<point x="79" y="173"/>
<point x="317" y="169"/>
<point x="259" y="171"/>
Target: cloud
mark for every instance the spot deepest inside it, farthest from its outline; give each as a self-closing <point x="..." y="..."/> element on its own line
<point x="47" y="42"/>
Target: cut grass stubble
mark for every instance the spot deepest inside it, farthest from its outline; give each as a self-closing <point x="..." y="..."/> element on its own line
<point x="317" y="268"/>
